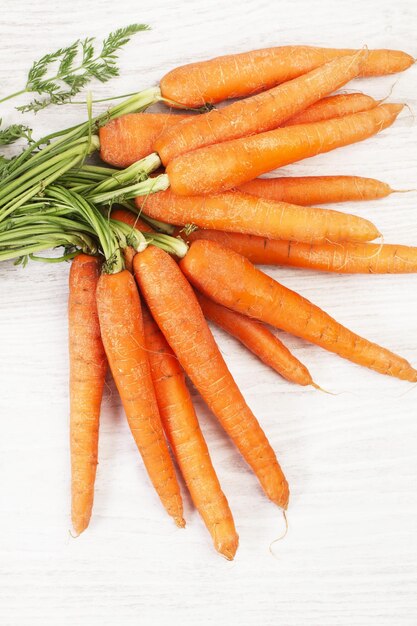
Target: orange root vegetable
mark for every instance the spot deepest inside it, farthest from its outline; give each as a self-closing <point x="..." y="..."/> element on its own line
<point x="333" y="106"/>
<point x="260" y="113"/>
<point x="176" y="310"/>
<point x="258" y="339"/>
<point x="223" y="166"/>
<point x="312" y="190"/>
<point x="130" y="218"/>
<point x="239" y="75"/>
<point x="129" y="138"/>
<point x="231" y="280"/>
<point x="235" y="211"/>
<point x="187" y="442"/>
<point x="88" y="366"/>
<point x="122" y="331"/>
<point x="344" y="257"/>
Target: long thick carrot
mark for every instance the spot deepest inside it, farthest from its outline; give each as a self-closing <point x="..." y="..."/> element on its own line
<point x="88" y="366"/>
<point x="131" y="137"/>
<point x="333" y="106"/>
<point x="312" y="190"/>
<point x="187" y="441"/>
<point x="230" y="164"/>
<point x="344" y="257"/>
<point x="121" y="327"/>
<point x="235" y="211"/>
<point x="231" y="280"/>
<point x="258" y="339"/>
<point x="237" y="75"/>
<point x="134" y="135"/>
<point x="260" y="113"/>
<point x="176" y="310"/>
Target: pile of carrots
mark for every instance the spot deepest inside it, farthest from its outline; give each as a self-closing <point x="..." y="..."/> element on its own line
<point x="147" y="321"/>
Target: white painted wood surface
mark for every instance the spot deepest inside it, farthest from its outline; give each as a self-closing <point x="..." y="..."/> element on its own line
<point x="350" y="556"/>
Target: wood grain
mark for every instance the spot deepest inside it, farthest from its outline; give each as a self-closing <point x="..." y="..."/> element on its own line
<point x="350" y="556"/>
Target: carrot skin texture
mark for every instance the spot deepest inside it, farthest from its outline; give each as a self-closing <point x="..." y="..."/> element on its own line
<point x="223" y="166"/>
<point x="131" y="137"/>
<point x="333" y="106"/>
<point x="235" y="211"/>
<point x="343" y="258"/>
<point x="260" y="113"/>
<point x="315" y="190"/>
<point x="240" y="75"/>
<point x="258" y="339"/>
<point x="255" y="294"/>
<point x="130" y="218"/>
<point x="121" y="327"/>
<point x="88" y="367"/>
<point x="176" y="310"/>
<point x="187" y="441"/>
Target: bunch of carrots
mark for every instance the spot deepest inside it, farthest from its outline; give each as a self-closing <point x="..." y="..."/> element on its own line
<point x="181" y="247"/>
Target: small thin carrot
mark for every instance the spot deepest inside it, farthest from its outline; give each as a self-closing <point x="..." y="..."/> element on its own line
<point x="187" y="441"/>
<point x="121" y="326"/>
<point x="179" y="316"/>
<point x="235" y="211"/>
<point x="88" y="366"/>
<point x="129" y="138"/>
<point x="231" y="280"/>
<point x="344" y="257"/>
<point x="333" y="106"/>
<point x="239" y="75"/>
<point x="223" y="166"/>
<point x="258" y="339"/>
<point x="312" y="190"/>
<point x="260" y="113"/>
<point x="130" y="218"/>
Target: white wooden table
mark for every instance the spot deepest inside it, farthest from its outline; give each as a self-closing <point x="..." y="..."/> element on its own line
<point x="350" y="556"/>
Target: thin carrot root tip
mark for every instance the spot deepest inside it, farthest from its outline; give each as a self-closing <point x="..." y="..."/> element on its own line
<point x="403" y="190"/>
<point x="180" y="522"/>
<point x="330" y="393"/>
<point x="281" y="537"/>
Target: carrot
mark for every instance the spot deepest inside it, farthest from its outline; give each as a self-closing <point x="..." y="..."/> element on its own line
<point x="333" y="106"/>
<point x="121" y="327"/>
<point x="88" y="366"/>
<point x="231" y="280"/>
<point x="129" y="138"/>
<point x="130" y="218"/>
<point x="232" y="163"/>
<point x="237" y="75"/>
<point x="178" y="314"/>
<point x="258" y="339"/>
<point x="259" y="113"/>
<point x="187" y="441"/>
<point x="235" y="211"/>
<point x="312" y="190"/>
<point x="344" y="258"/>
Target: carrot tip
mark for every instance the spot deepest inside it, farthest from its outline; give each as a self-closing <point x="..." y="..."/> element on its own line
<point x="180" y="522"/>
<point x="228" y="551"/>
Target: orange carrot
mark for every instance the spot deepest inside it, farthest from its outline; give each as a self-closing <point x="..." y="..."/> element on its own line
<point x="178" y="314"/>
<point x="259" y="113"/>
<point x="312" y="190"/>
<point x="88" y="366"/>
<point x="258" y="339"/>
<point x="231" y="280"/>
<point x="344" y="258"/>
<point x="129" y="138"/>
<point x="333" y="106"/>
<point x="237" y="75"/>
<point x="130" y="218"/>
<point x="235" y="211"/>
<point x="121" y="327"/>
<point x="232" y="163"/>
<point x="187" y="442"/>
